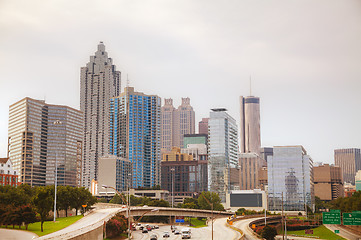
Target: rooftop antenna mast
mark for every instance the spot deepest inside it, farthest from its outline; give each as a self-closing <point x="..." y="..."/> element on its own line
<point x="127" y="80"/>
<point x="250" y="85"/>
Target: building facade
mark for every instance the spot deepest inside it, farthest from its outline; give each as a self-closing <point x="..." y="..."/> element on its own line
<point x="135" y="134"/>
<point x="250" y="165"/>
<point x="290" y="177"/>
<point x="113" y="171"/>
<point x="8" y="176"/>
<point x="189" y="174"/>
<point x="203" y="126"/>
<point x="328" y="182"/>
<point x="222" y="151"/>
<point x="250" y="125"/>
<point x="99" y="81"/>
<point x="176" y="123"/>
<point x="349" y="160"/>
<point x="44" y="139"/>
<point x="358" y="180"/>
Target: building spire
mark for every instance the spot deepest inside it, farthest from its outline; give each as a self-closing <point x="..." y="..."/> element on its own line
<point x="250" y="85"/>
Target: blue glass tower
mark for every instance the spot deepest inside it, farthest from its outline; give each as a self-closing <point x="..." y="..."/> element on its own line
<point x="135" y="134"/>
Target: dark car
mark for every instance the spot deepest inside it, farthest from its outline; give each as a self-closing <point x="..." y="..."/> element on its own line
<point x="144" y="230"/>
<point x="141" y="227"/>
<point x="166" y="234"/>
<point x="156" y="227"/>
<point x="153" y="237"/>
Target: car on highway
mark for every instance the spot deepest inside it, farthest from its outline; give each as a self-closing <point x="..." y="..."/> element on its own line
<point x="145" y="230"/>
<point x="149" y="228"/>
<point x="153" y="237"/>
<point x="176" y="232"/>
<point x="156" y="227"/>
<point x="166" y="234"/>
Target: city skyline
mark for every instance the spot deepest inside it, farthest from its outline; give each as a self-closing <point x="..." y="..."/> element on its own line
<point x="305" y="68"/>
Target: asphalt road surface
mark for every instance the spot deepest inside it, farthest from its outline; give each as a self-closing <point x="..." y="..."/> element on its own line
<point x="220" y="231"/>
<point x="10" y="234"/>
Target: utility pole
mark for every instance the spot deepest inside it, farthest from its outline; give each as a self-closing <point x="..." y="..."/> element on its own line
<point x="56" y="123"/>
<point x="283" y="234"/>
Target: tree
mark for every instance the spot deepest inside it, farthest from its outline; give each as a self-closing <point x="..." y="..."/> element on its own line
<point x="269" y="232"/>
<point x="43" y="202"/>
<point x="64" y="198"/>
<point x="212" y="197"/>
<point x="81" y="196"/>
<point x="28" y="215"/>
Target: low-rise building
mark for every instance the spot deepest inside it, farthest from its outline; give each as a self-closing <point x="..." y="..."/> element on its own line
<point x="249" y="199"/>
<point x="8" y="176"/>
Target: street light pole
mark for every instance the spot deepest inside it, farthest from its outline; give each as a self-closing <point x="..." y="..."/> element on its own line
<point x="211" y="210"/>
<point x="56" y="123"/>
<point x="172" y="170"/>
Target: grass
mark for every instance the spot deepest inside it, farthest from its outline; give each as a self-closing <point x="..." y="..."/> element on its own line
<point x="321" y="232"/>
<point x="196" y="223"/>
<point x="50" y="226"/>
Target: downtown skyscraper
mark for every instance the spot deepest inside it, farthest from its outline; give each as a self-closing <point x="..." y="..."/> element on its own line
<point x="349" y="160"/>
<point x="222" y="151"/>
<point x="99" y="82"/>
<point x="135" y="135"/>
<point x="250" y="125"/>
<point x="176" y="123"/>
<point x="44" y="137"/>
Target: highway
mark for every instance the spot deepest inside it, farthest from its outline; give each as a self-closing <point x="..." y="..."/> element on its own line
<point x="85" y="224"/>
<point x="219" y="227"/>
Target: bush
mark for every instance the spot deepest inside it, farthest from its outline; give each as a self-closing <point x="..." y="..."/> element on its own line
<point x="269" y="232"/>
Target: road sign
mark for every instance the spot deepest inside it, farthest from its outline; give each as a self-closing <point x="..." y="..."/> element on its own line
<point x="332" y="217"/>
<point x="353" y="218"/>
<point x="337" y="231"/>
<point x="179" y="219"/>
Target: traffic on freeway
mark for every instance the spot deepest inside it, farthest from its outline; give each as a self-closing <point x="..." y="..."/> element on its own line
<point x="220" y="231"/>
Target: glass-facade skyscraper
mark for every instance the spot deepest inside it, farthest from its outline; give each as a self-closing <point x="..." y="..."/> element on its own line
<point x="222" y="151"/>
<point x="135" y="134"/>
<point x="290" y="173"/>
<point x="42" y="136"/>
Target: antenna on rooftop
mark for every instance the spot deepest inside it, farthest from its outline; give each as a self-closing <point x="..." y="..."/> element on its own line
<point x="127" y="80"/>
<point x="250" y="85"/>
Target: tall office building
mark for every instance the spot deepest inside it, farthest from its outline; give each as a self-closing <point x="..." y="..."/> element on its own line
<point x="250" y="165"/>
<point x="290" y="174"/>
<point x="203" y="126"/>
<point x="350" y="162"/>
<point x="42" y="136"/>
<point x="135" y="134"/>
<point x="250" y="125"/>
<point x="222" y="151"/>
<point x="167" y="125"/>
<point x="328" y="182"/>
<point x="99" y="81"/>
<point x="176" y="123"/>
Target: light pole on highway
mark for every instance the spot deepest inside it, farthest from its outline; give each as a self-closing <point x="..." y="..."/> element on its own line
<point x="56" y="123"/>
<point x="211" y="210"/>
<point x="172" y="170"/>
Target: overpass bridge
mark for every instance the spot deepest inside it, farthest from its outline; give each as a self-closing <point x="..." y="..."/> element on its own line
<point x="165" y="211"/>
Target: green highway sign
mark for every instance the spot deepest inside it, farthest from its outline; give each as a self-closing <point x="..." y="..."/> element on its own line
<point x="337" y="231"/>
<point x="353" y="218"/>
<point x="332" y="217"/>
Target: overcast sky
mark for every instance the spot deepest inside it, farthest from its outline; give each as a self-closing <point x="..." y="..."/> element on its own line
<point x="304" y="58"/>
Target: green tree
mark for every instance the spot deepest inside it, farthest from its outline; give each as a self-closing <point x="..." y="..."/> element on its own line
<point x="43" y="202"/>
<point x="28" y="215"/>
<point x="212" y="197"/>
<point x="64" y="198"/>
<point x="118" y="200"/>
<point x="81" y="196"/>
<point x="269" y="232"/>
